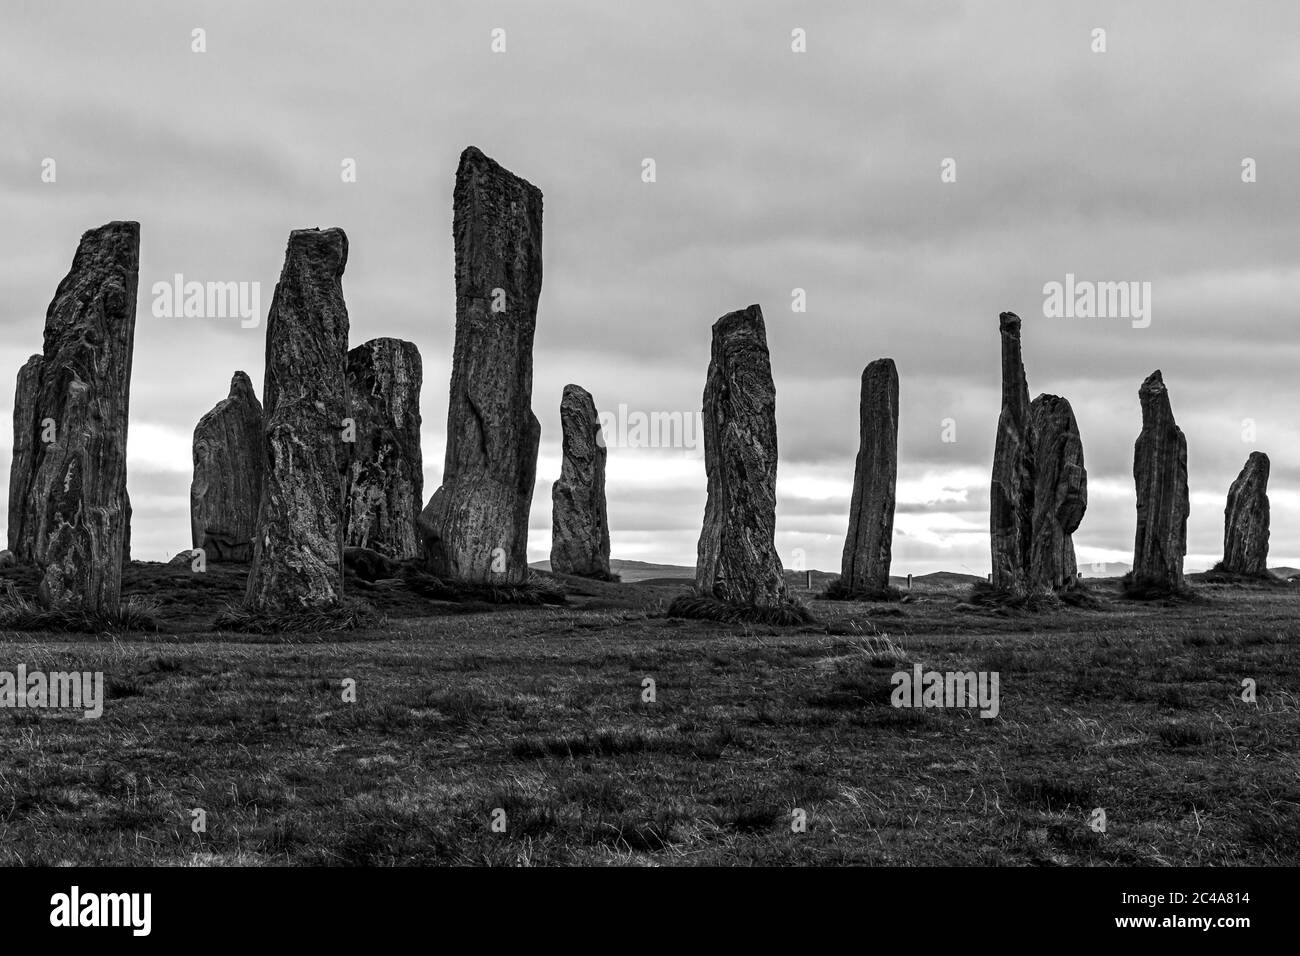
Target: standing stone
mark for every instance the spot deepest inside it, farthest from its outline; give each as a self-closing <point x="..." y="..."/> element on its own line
<point x="475" y="527"/>
<point x="27" y="430"/>
<point x="579" y="523"/>
<point x="737" y="560"/>
<point x="1160" y="473"/>
<point x="867" y="549"/>
<point x="227" y="483"/>
<point x="126" y="531"/>
<point x="1011" y="505"/>
<point x="1060" y="492"/>
<point x="386" y="469"/>
<point x="297" y="554"/>
<point x="77" y="490"/>
<point x="1245" y="520"/>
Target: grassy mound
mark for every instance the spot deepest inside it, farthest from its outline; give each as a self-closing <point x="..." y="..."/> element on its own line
<point x="985" y="596"/>
<point x="1133" y="588"/>
<point x="347" y="616"/>
<point x="536" y="590"/>
<point x="837" y="590"/>
<point x="702" y="608"/>
<point x="19" y="614"/>
<point x="1221" y="575"/>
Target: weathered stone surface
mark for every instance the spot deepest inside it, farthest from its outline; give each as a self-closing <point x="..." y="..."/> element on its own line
<point x="1060" y="492"/>
<point x="737" y="560"/>
<point x="1245" y="519"/>
<point x="867" y="548"/>
<point x="385" y="468"/>
<point x="126" y="521"/>
<point x="76" y="493"/>
<point x="579" y="522"/>
<point x="1011" y="506"/>
<point x="26" y="443"/>
<point x="297" y="542"/>
<point x="475" y="527"/>
<point x="1160" y="474"/>
<point x="227" y="483"/>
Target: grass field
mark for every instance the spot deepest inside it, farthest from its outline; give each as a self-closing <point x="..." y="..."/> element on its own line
<point x="539" y="712"/>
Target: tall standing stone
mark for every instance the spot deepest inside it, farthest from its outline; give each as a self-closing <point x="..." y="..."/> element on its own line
<point x="475" y="527"/>
<point x="228" y="467"/>
<point x="1160" y="473"/>
<point x="297" y="554"/>
<point x="737" y="560"/>
<point x="27" y="430"/>
<point x="386" y="469"/>
<point x="1011" y="495"/>
<point x="76" y="494"/>
<point x="867" y="548"/>
<point x="1060" y="492"/>
<point x="1245" y="520"/>
<point x="579" y="522"/>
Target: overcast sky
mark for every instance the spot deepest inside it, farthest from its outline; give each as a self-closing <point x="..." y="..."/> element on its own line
<point x="775" y="170"/>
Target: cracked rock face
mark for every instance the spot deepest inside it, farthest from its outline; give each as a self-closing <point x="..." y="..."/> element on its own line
<point x="227" y="483"/>
<point x="1245" y="519"/>
<point x="385" y="467"/>
<point x="1160" y="473"/>
<point x="297" y="541"/>
<point x="737" y="560"/>
<point x="1011" y="506"/>
<point x="868" y="546"/>
<point x="475" y="527"/>
<point x="579" y="523"/>
<point x="70" y="444"/>
<point x="1060" y="492"/>
<point x="27" y="445"/>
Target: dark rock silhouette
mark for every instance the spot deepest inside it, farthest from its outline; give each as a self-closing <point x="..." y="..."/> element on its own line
<point x="737" y="561"/>
<point x="1011" y="507"/>
<point x="579" y="523"/>
<point x="1160" y="474"/>
<point x="385" y="468"/>
<point x="228" y="468"/>
<point x="75" y="503"/>
<point x="868" y="545"/>
<point x="297" y="541"/>
<point x="1245" y="520"/>
<point x="126" y="526"/>
<point x="27" y="430"/>
<point x="475" y="527"/>
<point x="1060" y="492"/>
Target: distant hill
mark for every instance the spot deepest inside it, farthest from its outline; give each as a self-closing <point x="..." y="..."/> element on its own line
<point x="634" y="571"/>
<point x="1106" y="569"/>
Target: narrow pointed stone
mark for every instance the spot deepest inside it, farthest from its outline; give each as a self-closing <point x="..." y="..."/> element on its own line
<point x="579" y="522"/>
<point x="868" y="546"/>
<point x="27" y="431"/>
<point x="228" y="467"/>
<point x="475" y="527"/>
<point x="297" y="541"/>
<point x="386" y="468"/>
<point x="1245" y="520"/>
<point x="76" y="494"/>
<point x="1060" y="492"/>
<point x="1011" y="495"/>
<point x="1160" y="474"/>
<point x="737" y="560"/>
